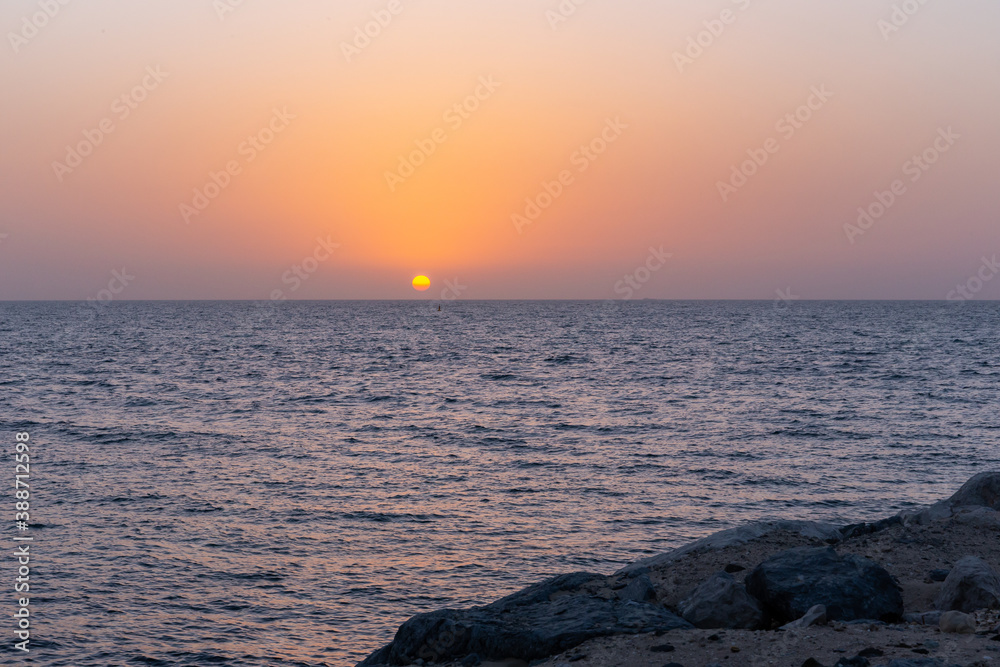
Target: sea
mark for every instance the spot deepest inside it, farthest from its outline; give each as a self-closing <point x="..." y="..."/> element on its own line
<point x="284" y="483"/>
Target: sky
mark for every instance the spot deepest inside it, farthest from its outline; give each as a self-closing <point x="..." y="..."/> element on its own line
<point x="525" y="149"/>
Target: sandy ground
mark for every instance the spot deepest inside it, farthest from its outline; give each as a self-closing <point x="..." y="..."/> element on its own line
<point x="699" y="648"/>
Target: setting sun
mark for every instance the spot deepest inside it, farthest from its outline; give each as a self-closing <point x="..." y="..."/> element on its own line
<point x="636" y="214"/>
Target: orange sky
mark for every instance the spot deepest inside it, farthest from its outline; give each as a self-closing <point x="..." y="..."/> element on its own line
<point x="618" y="101"/>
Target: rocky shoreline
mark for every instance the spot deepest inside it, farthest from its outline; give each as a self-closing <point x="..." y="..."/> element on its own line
<point x="919" y="589"/>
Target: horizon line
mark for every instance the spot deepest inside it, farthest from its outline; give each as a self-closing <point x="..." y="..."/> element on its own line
<point x="511" y="300"/>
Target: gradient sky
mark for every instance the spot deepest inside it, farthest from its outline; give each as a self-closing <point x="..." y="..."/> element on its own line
<point x="62" y="235"/>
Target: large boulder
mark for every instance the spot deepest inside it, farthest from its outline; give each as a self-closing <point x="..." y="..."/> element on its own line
<point x="982" y="491"/>
<point x="808" y="530"/>
<point x="850" y="587"/>
<point x="979" y="517"/>
<point x="720" y="602"/>
<point x="539" y="621"/>
<point x="972" y="584"/>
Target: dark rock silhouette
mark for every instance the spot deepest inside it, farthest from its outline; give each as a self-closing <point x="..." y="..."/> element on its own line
<point x="539" y="621"/>
<point x="971" y="585"/>
<point x="720" y="602"/>
<point x="850" y="587"/>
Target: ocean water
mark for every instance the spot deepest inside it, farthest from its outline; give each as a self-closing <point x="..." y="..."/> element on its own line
<point x="233" y="483"/>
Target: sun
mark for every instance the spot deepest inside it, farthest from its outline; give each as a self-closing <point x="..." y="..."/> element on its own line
<point x="421" y="283"/>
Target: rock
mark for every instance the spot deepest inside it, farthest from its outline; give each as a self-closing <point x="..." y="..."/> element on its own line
<point x="871" y="652"/>
<point x="980" y="517"/>
<point x="856" y="529"/>
<point x="815" y="616"/>
<point x="970" y="585"/>
<point x="542" y="620"/>
<point x="936" y="512"/>
<point x="663" y="648"/>
<point x="812" y="662"/>
<point x="955" y="622"/>
<point x="938" y="575"/>
<point x="720" y="602"/>
<point x="923" y="618"/>
<point x="639" y="589"/>
<point x="741" y="535"/>
<point x="983" y="490"/>
<point x="733" y="568"/>
<point x="918" y="662"/>
<point x="850" y="587"/>
<point x="471" y="660"/>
